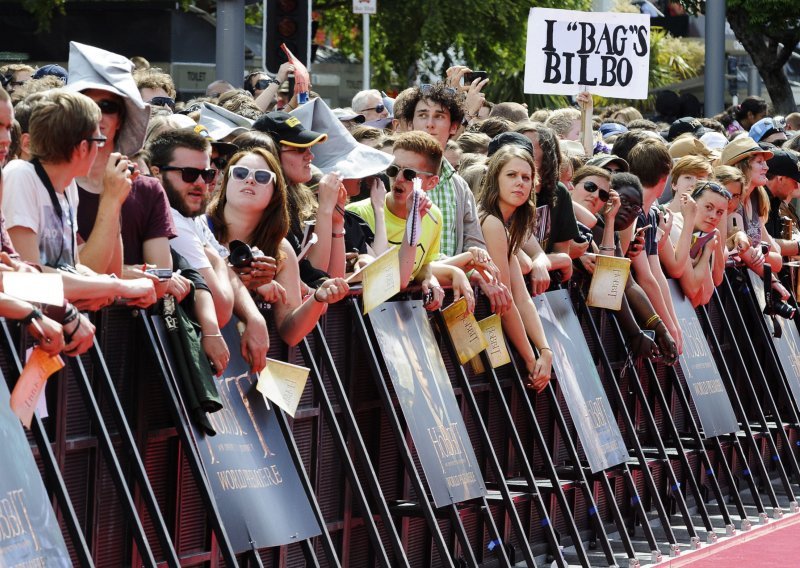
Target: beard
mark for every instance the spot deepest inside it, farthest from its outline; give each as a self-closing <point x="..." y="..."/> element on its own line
<point x="176" y="200"/>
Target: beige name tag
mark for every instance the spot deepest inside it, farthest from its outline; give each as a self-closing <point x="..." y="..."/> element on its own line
<point x="30" y="385"/>
<point x="283" y="383"/>
<point x="496" y="349"/>
<point x="464" y="330"/>
<point x="608" y="282"/>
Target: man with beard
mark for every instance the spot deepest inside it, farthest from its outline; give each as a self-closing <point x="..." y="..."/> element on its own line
<point x="180" y="159"/>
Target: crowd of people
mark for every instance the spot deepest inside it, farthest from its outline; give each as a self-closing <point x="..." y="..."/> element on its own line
<point x="245" y="198"/>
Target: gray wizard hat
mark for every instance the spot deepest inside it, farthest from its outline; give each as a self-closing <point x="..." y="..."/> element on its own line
<point x="95" y="68"/>
<point x="341" y="153"/>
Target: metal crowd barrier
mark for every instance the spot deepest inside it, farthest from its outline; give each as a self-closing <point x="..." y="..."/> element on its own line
<point x="124" y="469"/>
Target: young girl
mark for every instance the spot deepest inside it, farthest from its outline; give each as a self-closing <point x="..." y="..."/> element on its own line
<point x="507" y="212"/>
<point x="707" y="254"/>
<point x="251" y="207"/>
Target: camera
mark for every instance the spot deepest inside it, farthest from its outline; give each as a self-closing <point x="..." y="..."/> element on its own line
<point x="773" y="304"/>
<point x="241" y="254"/>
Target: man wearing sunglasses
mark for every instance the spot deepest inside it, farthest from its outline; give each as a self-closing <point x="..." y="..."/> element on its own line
<point x="156" y="87"/>
<point x="180" y="159"/>
<point x="370" y="104"/>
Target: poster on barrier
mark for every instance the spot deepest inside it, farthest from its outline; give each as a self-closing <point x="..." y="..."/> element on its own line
<point x="787" y="346"/>
<point x="580" y="383"/>
<point x="426" y="398"/>
<point x="569" y="51"/>
<point x="700" y="371"/>
<point x="258" y="491"/>
<point x="29" y="531"/>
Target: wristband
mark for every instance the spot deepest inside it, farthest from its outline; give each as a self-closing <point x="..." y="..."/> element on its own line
<point x="204" y="335"/>
<point x="540" y="349"/>
<point x="36" y="313"/>
<point x="655" y="318"/>
<point x="338" y="235"/>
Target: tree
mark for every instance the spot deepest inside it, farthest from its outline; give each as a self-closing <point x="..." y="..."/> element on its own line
<point x="769" y="30"/>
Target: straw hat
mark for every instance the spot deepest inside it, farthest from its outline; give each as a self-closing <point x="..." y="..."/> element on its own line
<point x="740" y="149"/>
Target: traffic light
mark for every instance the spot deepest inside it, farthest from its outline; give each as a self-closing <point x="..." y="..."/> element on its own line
<point x="289" y="22"/>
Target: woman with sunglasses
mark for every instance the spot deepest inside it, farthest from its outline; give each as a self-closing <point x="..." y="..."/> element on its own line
<point x="591" y="196"/>
<point x="507" y="211"/>
<point x="707" y="253"/>
<point x="252" y="207"/>
<point x="677" y="219"/>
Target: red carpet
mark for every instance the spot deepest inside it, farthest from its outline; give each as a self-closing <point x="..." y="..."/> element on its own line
<point x="774" y="545"/>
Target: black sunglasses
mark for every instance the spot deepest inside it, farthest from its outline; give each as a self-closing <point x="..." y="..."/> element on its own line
<point x="408" y="173"/>
<point x="262" y="84"/>
<point x="99" y="140"/>
<point x="168" y="102"/>
<point x="190" y="175"/>
<point x="379" y="108"/>
<point x="109" y="107"/>
<point x="591" y="187"/>
<point x="713" y="187"/>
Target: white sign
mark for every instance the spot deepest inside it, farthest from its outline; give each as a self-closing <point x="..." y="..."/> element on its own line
<point x="606" y="53"/>
<point x="365" y="6"/>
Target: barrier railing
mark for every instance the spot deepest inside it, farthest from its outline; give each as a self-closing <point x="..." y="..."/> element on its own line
<point x="128" y="476"/>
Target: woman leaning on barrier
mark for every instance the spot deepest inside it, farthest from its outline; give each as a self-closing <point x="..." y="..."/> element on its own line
<point x="507" y="210"/>
<point x="251" y="208"/>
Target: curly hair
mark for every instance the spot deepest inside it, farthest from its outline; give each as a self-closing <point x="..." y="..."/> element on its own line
<point x="438" y="93"/>
<point x="273" y="226"/>
<point x="488" y="200"/>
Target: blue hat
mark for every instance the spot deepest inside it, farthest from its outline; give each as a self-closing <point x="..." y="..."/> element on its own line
<point x="765" y="127"/>
<point x="52" y="69"/>
<point x="612" y="129"/>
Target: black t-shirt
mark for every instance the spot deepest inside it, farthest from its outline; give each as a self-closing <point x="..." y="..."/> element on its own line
<point x="556" y="224"/>
<point x="650" y="218"/>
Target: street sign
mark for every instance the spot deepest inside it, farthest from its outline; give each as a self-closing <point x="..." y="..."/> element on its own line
<point x="365" y="6"/>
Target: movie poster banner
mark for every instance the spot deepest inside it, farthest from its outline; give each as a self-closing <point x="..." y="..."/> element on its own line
<point x="257" y="489"/>
<point x="606" y="53"/>
<point x="787" y="346"/>
<point x="579" y="382"/>
<point x="426" y="398"/>
<point x="700" y="371"/>
<point x="29" y="531"/>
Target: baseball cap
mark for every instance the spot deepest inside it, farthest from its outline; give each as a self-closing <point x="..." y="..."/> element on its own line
<point x="602" y="160"/>
<point x="684" y="125"/>
<point x="689" y="146"/>
<point x="52" y="69"/>
<point x="714" y="140"/>
<point x="609" y="129"/>
<point x="763" y="128"/>
<point x="505" y="138"/>
<point x="785" y="163"/>
<point x="287" y="129"/>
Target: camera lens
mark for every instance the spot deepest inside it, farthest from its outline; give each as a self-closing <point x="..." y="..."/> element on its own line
<point x="241" y="254"/>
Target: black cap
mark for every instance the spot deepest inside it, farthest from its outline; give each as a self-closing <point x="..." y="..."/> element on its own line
<point x="684" y="125"/>
<point x="287" y="129"/>
<point x="784" y="163"/>
<point x="505" y="138"/>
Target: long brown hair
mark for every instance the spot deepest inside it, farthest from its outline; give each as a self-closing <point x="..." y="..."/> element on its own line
<point x="523" y="219"/>
<point x="274" y="224"/>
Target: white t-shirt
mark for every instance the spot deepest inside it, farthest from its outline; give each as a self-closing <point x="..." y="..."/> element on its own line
<point x="26" y="203"/>
<point x="193" y="236"/>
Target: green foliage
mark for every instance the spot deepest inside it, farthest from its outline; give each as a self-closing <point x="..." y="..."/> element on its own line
<point x="487" y="35"/>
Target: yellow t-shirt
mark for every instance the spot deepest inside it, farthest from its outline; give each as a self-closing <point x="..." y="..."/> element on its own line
<point x="428" y="246"/>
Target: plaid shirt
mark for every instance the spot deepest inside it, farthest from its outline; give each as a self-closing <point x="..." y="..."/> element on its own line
<point x="444" y="197"/>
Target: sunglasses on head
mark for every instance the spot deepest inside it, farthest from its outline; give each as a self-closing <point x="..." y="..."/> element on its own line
<point x="109" y="107"/>
<point x="408" y="173"/>
<point x="713" y="187"/>
<point x="168" y="102"/>
<point x="591" y="187"/>
<point x="262" y="177"/>
<point x="190" y="175"/>
<point x="427" y="89"/>
<point x="379" y="108"/>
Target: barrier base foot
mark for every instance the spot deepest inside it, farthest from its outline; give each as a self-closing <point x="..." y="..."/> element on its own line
<point x="711" y="538"/>
<point x="794" y="507"/>
<point x="746" y="525"/>
<point x="730" y="530"/>
<point x="777" y="513"/>
<point x="674" y="550"/>
<point x="655" y="557"/>
<point x="763" y="519"/>
<point x="634" y="562"/>
<point x="694" y="542"/>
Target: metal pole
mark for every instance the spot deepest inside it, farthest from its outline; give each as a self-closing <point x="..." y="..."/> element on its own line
<point x="230" y="41"/>
<point x="715" y="57"/>
<point x="366" y="50"/>
<point x="263" y="36"/>
<point x="753" y="81"/>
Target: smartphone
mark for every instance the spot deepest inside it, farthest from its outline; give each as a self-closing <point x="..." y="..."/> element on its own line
<point x="160" y="273"/>
<point x="472" y="75"/>
<point x="291" y="85"/>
